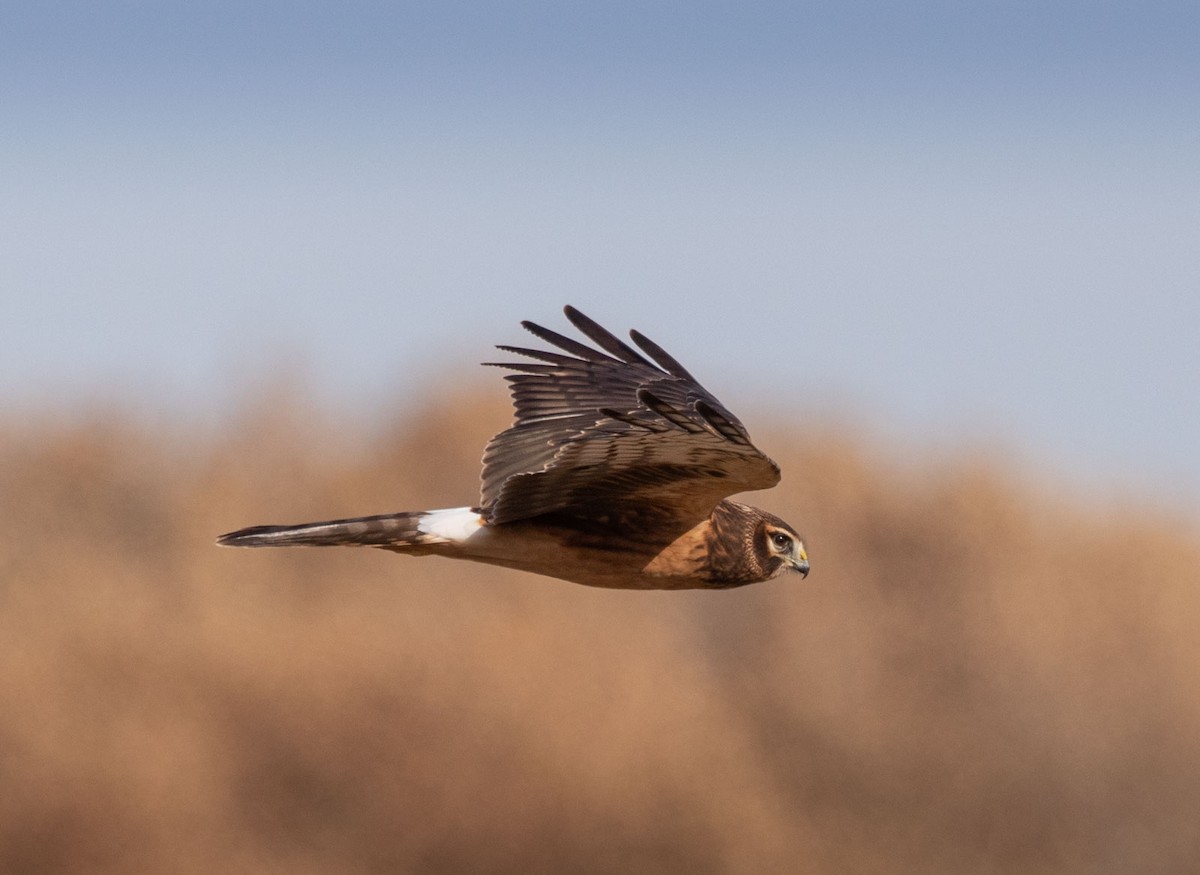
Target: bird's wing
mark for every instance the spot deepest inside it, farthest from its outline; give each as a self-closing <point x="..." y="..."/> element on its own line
<point x="607" y="430"/>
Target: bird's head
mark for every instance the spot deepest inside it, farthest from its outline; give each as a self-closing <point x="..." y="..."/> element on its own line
<point x="779" y="547"/>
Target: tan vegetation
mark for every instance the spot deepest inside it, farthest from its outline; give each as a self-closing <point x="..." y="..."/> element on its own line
<point x="977" y="677"/>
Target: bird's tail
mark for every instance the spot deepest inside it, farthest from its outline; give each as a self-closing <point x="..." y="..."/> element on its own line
<point x="409" y="532"/>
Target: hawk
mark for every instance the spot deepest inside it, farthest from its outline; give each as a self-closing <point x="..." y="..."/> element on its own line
<point x="615" y="473"/>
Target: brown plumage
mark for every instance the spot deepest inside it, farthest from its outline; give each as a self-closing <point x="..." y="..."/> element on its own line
<point x="615" y="473"/>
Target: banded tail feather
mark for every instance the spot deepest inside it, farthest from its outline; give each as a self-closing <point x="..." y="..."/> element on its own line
<point x="406" y="531"/>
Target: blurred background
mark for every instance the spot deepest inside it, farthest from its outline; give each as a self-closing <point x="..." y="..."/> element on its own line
<point x="941" y="258"/>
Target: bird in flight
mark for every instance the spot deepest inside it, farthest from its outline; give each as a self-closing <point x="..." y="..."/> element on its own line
<point x="615" y="473"/>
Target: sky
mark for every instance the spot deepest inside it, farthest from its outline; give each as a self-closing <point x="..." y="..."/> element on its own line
<point x="944" y="223"/>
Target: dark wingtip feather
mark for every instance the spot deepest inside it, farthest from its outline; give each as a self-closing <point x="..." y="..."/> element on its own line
<point x="661" y="357"/>
<point x="604" y="338"/>
<point x="545" y="355"/>
<point x="574" y="347"/>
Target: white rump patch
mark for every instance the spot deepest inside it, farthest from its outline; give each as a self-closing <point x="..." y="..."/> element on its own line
<point x="454" y="524"/>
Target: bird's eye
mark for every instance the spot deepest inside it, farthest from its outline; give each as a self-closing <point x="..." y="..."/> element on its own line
<point x="781" y="541"/>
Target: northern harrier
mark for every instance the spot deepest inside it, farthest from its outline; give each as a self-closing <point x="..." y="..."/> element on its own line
<point x="615" y="473"/>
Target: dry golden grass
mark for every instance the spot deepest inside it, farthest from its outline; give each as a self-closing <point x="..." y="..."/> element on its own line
<point x="976" y="677"/>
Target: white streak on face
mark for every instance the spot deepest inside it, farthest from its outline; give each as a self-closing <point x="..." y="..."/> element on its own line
<point x="454" y="524"/>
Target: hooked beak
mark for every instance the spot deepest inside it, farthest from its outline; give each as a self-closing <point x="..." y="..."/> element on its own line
<point x="800" y="563"/>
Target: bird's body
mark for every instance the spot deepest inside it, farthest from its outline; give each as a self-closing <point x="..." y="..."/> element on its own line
<point x="637" y="555"/>
<point x="615" y="474"/>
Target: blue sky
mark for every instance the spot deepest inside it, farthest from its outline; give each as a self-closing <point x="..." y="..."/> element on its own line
<point x="946" y="221"/>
